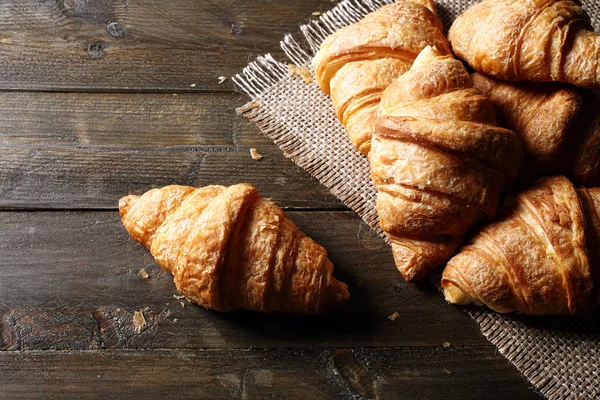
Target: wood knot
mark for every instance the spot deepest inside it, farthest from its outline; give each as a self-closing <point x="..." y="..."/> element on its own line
<point x="96" y="50"/>
<point x="115" y="29"/>
<point x="355" y="373"/>
<point x="236" y="29"/>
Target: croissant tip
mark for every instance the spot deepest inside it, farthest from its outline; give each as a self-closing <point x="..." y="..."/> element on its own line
<point x="414" y="267"/>
<point x="337" y="295"/>
<point x="428" y="53"/>
<point x="125" y="204"/>
<point x="410" y="275"/>
<point x="454" y="295"/>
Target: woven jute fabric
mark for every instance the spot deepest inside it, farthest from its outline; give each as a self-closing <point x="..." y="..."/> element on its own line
<point x="559" y="355"/>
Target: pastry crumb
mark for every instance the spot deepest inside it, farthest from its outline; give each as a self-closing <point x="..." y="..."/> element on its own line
<point x="182" y="304"/>
<point x="175" y="320"/>
<point x="193" y="85"/>
<point x="446" y="345"/>
<point x="255" y="154"/>
<point x="447" y="371"/>
<point x="316" y="13"/>
<point x="222" y="79"/>
<point x="303" y="72"/>
<point x="139" y="322"/>
<point x="252" y="106"/>
<point x="174" y="94"/>
<point x="394" y="316"/>
<point x="178" y="297"/>
<point x="247" y="107"/>
<point x="144" y="274"/>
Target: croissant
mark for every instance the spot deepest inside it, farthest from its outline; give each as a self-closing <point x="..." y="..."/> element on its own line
<point x="228" y="249"/>
<point x="355" y="64"/>
<point x="536" y="40"/>
<point x="541" y="257"/>
<point x="558" y="124"/>
<point x="438" y="161"/>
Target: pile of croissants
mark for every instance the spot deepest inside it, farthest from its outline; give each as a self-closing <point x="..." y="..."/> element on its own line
<point x="485" y="156"/>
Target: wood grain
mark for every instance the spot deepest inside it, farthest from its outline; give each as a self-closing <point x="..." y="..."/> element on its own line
<point x="118" y="45"/>
<point x="115" y="120"/>
<point x="407" y="373"/>
<point x="71" y="281"/>
<point x="82" y="150"/>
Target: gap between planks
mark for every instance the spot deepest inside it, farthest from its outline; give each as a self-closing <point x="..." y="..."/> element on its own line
<point x="247" y="349"/>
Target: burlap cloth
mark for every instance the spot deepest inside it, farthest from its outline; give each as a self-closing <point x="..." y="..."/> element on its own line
<point x="559" y="355"/>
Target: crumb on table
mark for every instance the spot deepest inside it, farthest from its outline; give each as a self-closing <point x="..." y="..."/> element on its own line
<point x="394" y="316"/>
<point x="255" y="154"/>
<point x="303" y="72"/>
<point x="139" y="322"/>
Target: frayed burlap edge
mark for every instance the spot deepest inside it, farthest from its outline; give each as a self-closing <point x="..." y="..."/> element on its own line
<point x="511" y="337"/>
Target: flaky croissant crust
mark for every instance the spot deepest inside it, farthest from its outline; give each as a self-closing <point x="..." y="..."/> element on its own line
<point x="541" y="257"/>
<point x="558" y="124"/>
<point x="438" y="161"/>
<point x="228" y="249"/>
<point x="400" y="30"/>
<point x="538" y="40"/>
<point x="356" y="63"/>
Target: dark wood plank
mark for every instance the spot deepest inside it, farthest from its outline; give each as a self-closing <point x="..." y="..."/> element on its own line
<point x="407" y="373"/>
<point x="82" y="150"/>
<point x="139" y="45"/>
<point x="99" y="120"/>
<point x="70" y="280"/>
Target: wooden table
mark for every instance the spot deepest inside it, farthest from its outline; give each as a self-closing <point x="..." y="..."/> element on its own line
<point x="100" y="98"/>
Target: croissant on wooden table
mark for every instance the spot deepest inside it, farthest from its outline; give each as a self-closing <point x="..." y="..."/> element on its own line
<point x="541" y="257"/>
<point x="356" y="63"/>
<point x="229" y="249"/>
<point x="536" y="40"/>
<point x="558" y="124"/>
<point x="438" y="161"/>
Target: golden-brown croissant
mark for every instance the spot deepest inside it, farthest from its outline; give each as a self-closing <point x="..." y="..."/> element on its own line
<point x="355" y="64"/>
<point x="438" y="162"/>
<point x="558" y="124"/>
<point x="228" y="249"/>
<point x="541" y="257"/>
<point x="536" y="40"/>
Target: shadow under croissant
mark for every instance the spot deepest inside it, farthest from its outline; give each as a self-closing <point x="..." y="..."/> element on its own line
<point x="357" y="317"/>
<point x="587" y="325"/>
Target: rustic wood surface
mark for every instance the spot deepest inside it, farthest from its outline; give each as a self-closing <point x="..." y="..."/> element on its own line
<point x="103" y="98"/>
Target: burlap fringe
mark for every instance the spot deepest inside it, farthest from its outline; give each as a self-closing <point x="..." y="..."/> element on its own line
<point x="261" y="75"/>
